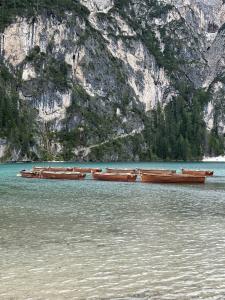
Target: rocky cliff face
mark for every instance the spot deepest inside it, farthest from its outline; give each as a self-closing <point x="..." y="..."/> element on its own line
<point x="91" y="76"/>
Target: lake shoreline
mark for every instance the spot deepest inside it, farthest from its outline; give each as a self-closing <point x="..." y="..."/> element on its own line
<point x="205" y="159"/>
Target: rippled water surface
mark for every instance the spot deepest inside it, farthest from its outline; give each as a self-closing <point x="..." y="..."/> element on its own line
<point x="105" y="240"/>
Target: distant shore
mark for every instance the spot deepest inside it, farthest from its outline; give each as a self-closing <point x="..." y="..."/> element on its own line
<point x="205" y="159"/>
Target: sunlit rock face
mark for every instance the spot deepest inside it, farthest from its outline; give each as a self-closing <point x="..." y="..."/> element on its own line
<point x="204" y="16"/>
<point x="101" y="62"/>
<point x="98" y="5"/>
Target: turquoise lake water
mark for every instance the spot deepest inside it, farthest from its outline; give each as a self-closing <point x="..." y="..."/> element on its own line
<point x="106" y="240"/>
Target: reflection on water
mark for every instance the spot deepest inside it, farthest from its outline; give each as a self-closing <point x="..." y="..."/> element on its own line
<point x="99" y="240"/>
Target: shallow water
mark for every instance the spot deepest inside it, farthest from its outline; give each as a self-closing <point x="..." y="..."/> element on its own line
<point x="105" y="240"/>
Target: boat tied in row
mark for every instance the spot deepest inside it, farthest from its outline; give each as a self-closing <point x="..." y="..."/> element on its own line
<point x="67" y="169"/>
<point x="122" y="175"/>
<point x="45" y="174"/>
<point x="126" y="177"/>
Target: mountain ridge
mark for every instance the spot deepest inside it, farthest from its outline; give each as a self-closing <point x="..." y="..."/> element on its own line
<point x="142" y="79"/>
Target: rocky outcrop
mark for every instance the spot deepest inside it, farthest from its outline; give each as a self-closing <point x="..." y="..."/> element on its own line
<point x="215" y="116"/>
<point x="98" y="5"/>
<point x="91" y="78"/>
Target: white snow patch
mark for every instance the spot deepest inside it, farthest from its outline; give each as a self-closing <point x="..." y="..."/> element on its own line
<point x="214" y="159"/>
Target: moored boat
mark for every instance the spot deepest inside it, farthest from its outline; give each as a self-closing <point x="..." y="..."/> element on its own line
<point x="125" y="177"/>
<point x="62" y="175"/>
<point x="121" y="171"/>
<point x="29" y="174"/>
<point x="52" y="169"/>
<point x="197" y="172"/>
<point x="172" y="178"/>
<point x="67" y="169"/>
<point x="157" y="171"/>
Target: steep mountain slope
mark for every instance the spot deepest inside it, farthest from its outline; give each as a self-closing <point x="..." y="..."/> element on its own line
<point x="112" y="80"/>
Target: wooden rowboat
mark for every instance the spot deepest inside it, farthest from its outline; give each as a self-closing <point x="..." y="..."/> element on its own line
<point x="66" y="169"/>
<point x="62" y="175"/>
<point x="172" y="178"/>
<point x="122" y="171"/>
<point x="125" y="177"/>
<point x="29" y="174"/>
<point x="198" y="172"/>
<point x="157" y="171"/>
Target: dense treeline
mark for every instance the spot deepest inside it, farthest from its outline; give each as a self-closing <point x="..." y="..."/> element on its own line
<point x="16" y="119"/>
<point x="178" y="130"/>
<point x="9" y="9"/>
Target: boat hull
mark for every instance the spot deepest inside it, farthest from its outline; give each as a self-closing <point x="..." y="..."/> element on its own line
<point x="29" y="174"/>
<point x="198" y="172"/>
<point x="122" y="177"/>
<point x="172" y="178"/>
<point x="62" y="175"/>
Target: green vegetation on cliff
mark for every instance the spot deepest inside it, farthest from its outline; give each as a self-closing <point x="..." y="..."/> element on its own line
<point x="16" y="119"/>
<point x="102" y="124"/>
<point x="10" y="9"/>
<point x="178" y="131"/>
